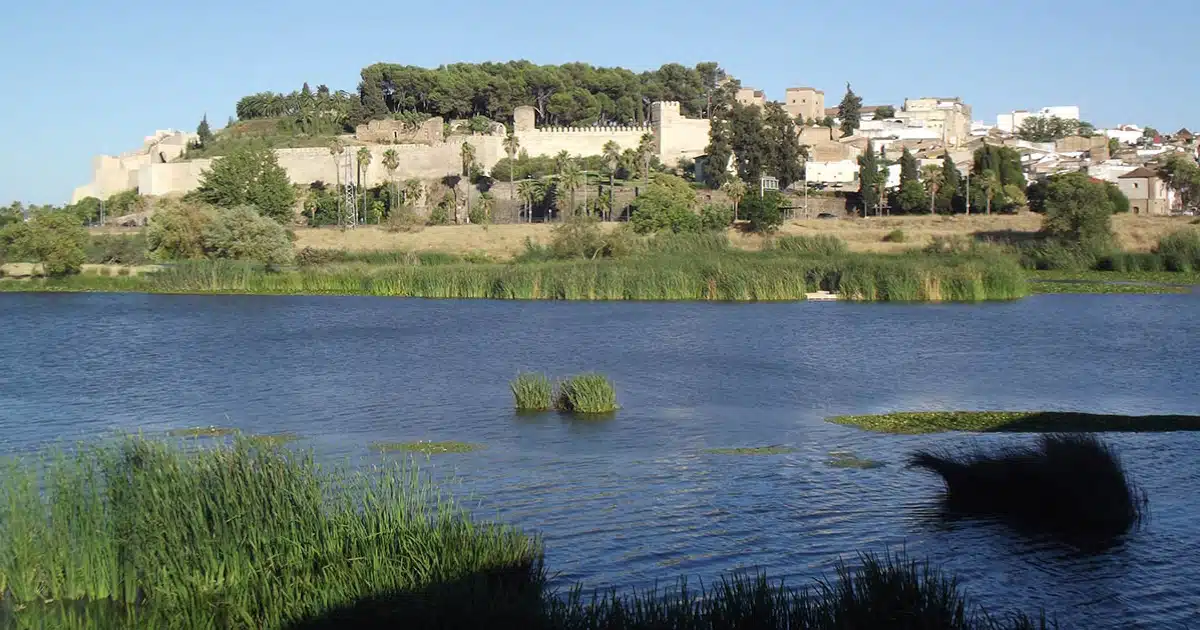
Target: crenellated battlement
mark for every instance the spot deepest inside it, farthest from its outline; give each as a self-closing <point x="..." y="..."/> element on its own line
<point x="596" y="129"/>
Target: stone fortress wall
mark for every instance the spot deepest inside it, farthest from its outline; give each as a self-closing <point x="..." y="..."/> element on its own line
<point x="423" y="152"/>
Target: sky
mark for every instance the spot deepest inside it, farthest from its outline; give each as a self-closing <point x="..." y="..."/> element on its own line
<point x="84" y="78"/>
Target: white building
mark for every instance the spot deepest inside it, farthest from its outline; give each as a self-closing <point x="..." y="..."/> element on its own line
<point x="1125" y="134"/>
<point x="1109" y="171"/>
<point x="837" y="174"/>
<point x="844" y="174"/>
<point x="1012" y="121"/>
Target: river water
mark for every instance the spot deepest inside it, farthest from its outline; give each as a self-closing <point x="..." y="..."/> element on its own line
<point x="635" y="500"/>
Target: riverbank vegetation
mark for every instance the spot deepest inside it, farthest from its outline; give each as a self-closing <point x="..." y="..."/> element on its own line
<point x="1071" y="486"/>
<point x="1017" y="422"/>
<point x="145" y="534"/>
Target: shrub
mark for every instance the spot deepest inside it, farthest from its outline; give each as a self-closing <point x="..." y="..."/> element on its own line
<point x="440" y="215"/>
<point x="762" y="214"/>
<point x="176" y="231"/>
<point x="582" y="237"/>
<point x="1069" y="485"/>
<point x="952" y="244"/>
<point x="587" y="393"/>
<point x="117" y="249"/>
<point x="54" y="239"/>
<point x="820" y="245"/>
<point x="716" y="217"/>
<point x="1180" y="250"/>
<point x="244" y="234"/>
<point x="403" y="219"/>
<point x="895" y="236"/>
<point x="532" y="392"/>
<point x="310" y="256"/>
<point x="665" y="206"/>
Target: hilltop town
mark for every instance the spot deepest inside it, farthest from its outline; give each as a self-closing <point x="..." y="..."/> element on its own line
<point x="393" y="143"/>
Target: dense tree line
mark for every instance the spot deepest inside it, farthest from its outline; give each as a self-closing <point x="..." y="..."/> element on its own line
<point x="569" y="94"/>
<point x="759" y="141"/>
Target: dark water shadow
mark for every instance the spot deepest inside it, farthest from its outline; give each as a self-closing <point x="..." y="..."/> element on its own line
<point x="499" y="597"/>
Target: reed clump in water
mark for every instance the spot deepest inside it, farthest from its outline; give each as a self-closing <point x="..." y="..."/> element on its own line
<point x="237" y="535"/>
<point x="532" y="392"/>
<point x="1071" y="486"/>
<point x="589" y="393"/>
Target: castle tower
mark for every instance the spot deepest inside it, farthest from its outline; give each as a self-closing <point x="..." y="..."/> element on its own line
<point x="805" y="101"/>
<point x="524" y="119"/>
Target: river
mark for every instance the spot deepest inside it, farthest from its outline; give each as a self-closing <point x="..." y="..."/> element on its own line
<point x="634" y="500"/>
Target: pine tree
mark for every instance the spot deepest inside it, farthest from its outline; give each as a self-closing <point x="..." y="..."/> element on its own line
<point x="909" y="170"/>
<point x="850" y="111"/>
<point x="203" y="132"/>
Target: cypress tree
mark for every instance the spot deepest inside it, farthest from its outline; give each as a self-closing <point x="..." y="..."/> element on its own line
<point x="909" y="171"/>
<point x="850" y="111"/>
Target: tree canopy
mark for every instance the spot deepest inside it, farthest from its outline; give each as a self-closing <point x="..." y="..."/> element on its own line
<point x="53" y="238"/>
<point x="1078" y="211"/>
<point x="1051" y="128"/>
<point x="1183" y="175"/>
<point x="568" y="94"/>
<point x="997" y="178"/>
<point x="249" y="176"/>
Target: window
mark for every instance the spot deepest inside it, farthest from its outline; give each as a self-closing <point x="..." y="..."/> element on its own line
<point x="1135" y="185"/>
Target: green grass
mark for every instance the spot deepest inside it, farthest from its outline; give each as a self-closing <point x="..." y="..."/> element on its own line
<point x="1016" y="422"/>
<point x="272" y="439"/>
<point x="895" y="236"/>
<point x="589" y="393"/>
<point x="233" y="536"/>
<point x="845" y="459"/>
<point x="751" y="450"/>
<point x="819" y="245"/>
<point x="532" y="392"/>
<point x="427" y="448"/>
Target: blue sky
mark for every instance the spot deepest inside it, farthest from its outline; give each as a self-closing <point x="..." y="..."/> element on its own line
<point x="83" y="77"/>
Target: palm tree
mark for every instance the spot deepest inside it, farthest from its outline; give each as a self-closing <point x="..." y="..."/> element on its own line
<point x="364" y="161"/>
<point x="933" y="177"/>
<point x="336" y="149"/>
<point x="612" y="159"/>
<point x="645" y="150"/>
<point x="735" y="189"/>
<point x="391" y="162"/>
<point x="412" y="190"/>
<point x="571" y="178"/>
<point x="560" y="161"/>
<point x="527" y="189"/>
<point x="467" y="152"/>
<point x="511" y="145"/>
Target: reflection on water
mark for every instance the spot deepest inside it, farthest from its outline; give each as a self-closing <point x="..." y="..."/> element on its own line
<point x="635" y="499"/>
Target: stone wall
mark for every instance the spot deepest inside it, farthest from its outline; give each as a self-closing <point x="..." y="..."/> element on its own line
<point x="426" y="156"/>
<point x="400" y="132"/>
<point x="577" y="141"/>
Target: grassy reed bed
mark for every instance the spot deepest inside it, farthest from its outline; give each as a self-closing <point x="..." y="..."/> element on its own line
<point x="1072" y="486"/>
<point x="532" y="392"/>
<point x="589" y="393"/>
<point x="730" y="277"/>
<point x="233" y="536"/>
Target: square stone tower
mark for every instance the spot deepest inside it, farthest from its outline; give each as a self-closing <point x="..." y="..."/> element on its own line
<point x="805" y="101"/>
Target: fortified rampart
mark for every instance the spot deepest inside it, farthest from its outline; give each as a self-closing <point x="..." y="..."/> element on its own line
<point x="423" y="154"/>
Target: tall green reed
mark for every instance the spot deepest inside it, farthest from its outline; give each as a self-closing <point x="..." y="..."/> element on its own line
<point x="532" y="392"/>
